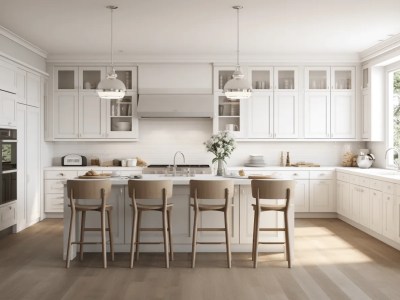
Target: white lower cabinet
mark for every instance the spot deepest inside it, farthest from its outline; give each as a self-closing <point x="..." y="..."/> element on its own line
<point x="397" y="219"/>
<point x="54" y="190"/>
<point x="389" y="216"/>
<point x="376" y="210"/>
<point x="8" y="215"/>
<point x="322" y="196"/>
<point x="302" y="196"/>
<point x="343" y="198"/>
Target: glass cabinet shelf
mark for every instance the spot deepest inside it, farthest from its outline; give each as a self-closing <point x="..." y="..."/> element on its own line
<point x="286" y="79"/>
<point x="261" y="78"/>
<point x="317" y="79"/>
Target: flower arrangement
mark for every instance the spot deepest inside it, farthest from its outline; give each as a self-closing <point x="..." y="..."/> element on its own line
<point x="221" y="145"/>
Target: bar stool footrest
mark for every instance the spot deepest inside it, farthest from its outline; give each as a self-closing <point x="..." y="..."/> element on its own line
<point x="212" y="243"/>
<point x="211" y="229"/>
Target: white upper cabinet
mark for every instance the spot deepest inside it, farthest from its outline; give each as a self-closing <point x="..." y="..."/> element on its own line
<point x="65" y="112"/>
<point x="128" y="75"/>
<point x="7" y="77"/>
<point x="286" y="112"/>
<point x="329" y="103"/>
<point x="231" y="115"/>
<point x="175" y="78"/>
<point x="261" y="115"/>
<point x="91" y="112"/>
<point x="261" y="78"/>
<point x="33" y="90"/>
<point x="65" y="78"/>
<point x="8" y="109"/>
<point x="20" y="80"/>
<point x="89" y="77"/>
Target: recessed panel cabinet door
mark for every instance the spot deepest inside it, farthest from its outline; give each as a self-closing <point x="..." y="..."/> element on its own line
<point x="389" y="215"/>
<point x="260" y="115"/>
<point x="92" y="111"/>
<point x="343" y="121"/>
<point x="375" y="198"/>
<point x="8" y="109"/>
<point x="317" y="115"/>
<point x="301" y="196"/>
<point x="33" y="90"/>
<point x="322" y="196"/>
<point x="286" y="114"/>
<point x="66" y="115"/>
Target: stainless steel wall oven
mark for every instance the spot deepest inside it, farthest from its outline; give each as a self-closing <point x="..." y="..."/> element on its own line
<point x="8" y="167"/>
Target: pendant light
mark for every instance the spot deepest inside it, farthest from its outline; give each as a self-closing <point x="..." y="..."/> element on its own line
<point x="111" y="87"/>
<point x="238" y="87"/>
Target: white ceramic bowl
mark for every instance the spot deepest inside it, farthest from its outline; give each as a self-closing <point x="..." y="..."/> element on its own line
<point x="122" y="126"/>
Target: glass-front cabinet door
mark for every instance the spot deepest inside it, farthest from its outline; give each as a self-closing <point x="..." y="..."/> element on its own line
<point x="128" y="75"/>
<point x="122" y="122"/>
<point x="89" y="77"/>
<point x="221" y="77"/>
<point x="66" y="78"/>
<point x="261" y="78"/>
<point x="342" y="78"/>
<point x="285" y="79"/>
<point x="365" y="77"/>
<point x="317" y="79"/>
<point x="229" y="115"/>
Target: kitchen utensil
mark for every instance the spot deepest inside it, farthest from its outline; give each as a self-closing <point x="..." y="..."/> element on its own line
<point x="131" y="162"/>
<point x="121" y="126"/>
<point x="365" y="161"/>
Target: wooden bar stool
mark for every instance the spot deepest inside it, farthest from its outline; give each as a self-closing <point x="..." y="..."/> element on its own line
<point x="151" y="189"/>
<point x="211" y="189"/>
<point x="93" y="190"/>
<point x="271" y="189"/>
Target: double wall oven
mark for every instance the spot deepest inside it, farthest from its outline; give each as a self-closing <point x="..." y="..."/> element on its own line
<point x="8" y="167"/>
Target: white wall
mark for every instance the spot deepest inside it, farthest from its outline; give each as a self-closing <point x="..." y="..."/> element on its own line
<point x="161" y="138"/>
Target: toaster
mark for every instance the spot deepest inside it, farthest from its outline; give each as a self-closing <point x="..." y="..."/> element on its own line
<point x="73" y="160"/>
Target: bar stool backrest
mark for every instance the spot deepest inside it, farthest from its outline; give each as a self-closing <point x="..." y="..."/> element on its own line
<point x="149" y="189"/>
<point x="95" y="189"/>
<point x="211" y="189"/>
<point x="273" y="189"/>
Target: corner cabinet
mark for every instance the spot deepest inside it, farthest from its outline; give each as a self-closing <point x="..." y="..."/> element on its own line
<point x="77" y="113"/>
<point x="329" y="103"/>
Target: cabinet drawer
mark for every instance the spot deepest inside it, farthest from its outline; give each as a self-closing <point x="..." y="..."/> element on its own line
<point x="53" y="186"/>
<point x="388" y="187"/>
<point x="375" y="184"/>
<point x="343" y="177"/>
<point x="8" y="216"/>
<point x="60" y="174"/>
<point x="363" y="181"/>
<point x="54" y="203"/>
<point x="353" y="179"/>
<point x="322" y="174"/>
<point x="293" y="174"/>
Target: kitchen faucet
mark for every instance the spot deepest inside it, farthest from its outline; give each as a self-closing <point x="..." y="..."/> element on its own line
<point x="183" y="156"/>
<point x="395" y="161"/>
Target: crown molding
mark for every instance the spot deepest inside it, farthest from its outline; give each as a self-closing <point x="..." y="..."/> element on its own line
<point x="21" y="41"/>
<point x="380" y="48"/>
<point x="207" y="58"/>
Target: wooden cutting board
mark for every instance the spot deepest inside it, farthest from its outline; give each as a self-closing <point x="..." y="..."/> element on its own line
<point x="261" y="177"/>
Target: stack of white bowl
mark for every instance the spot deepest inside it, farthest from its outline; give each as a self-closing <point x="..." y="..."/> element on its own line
<point x="255" y="161"/>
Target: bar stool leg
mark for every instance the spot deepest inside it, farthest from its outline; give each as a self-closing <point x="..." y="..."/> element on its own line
<point x="83" y="221"/>
<point x="165" y="234"/>
<point x="69" y="238"/>
<point x="110" y="234"/>
<point x="138" y="234"/>
<point x="133" y="236"/>
<point x="103" y="238"/>
<point x="254" y="237"/>
<point x="257" y="216"/>
<point x="287" y="243"/>
<point x="228" y="239"/>
<point x="194" y="242"/>
<point x="171" y="252"/>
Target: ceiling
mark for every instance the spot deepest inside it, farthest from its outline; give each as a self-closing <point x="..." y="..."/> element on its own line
<point x="202" y="27"/>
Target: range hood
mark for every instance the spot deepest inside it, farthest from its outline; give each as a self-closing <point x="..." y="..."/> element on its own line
<point x="175" y="106"/>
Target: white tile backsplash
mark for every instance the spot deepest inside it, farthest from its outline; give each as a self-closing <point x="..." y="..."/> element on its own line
<point x="159" y="139"/>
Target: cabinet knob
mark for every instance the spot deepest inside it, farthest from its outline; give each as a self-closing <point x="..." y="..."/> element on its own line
<point x="61" y="174"/>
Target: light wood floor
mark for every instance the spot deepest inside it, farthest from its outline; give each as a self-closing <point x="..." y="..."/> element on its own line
<point x="333" y="261"/>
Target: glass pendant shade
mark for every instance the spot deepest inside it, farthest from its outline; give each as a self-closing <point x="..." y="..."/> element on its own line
<point x="238" y="87"/>
<point x="111" y="87"/>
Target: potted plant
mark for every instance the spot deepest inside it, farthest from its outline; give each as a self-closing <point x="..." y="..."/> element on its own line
<point x="221" y="145"/>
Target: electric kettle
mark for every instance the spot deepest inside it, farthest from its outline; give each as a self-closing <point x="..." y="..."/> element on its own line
<point x="365" y="159"/>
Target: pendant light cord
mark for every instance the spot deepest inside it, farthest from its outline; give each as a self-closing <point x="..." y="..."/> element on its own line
<point x="112" y="61"/>
<point x="237" y="56"/>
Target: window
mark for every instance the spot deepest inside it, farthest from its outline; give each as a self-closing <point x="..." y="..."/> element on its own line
<point x="394" y="115"/>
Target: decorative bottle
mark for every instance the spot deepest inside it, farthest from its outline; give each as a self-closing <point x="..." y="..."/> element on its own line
<point x="287" y="159"/>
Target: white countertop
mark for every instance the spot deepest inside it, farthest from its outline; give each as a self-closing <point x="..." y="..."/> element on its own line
<point x="77" y="168"/>
<point x="375" y="173"/>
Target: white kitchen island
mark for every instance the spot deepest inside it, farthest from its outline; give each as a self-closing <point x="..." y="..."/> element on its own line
<point x="182" y="220"/>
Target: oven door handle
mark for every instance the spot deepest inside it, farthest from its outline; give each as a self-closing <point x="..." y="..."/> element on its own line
<point x="9" y="171"/>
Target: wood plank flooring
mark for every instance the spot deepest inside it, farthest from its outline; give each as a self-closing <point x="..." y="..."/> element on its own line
<point x="333" y="260"/>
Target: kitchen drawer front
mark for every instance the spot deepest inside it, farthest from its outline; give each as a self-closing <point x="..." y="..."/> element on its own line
<point x="353" y="179"/>
<point x="8" y="216"/>
<point x="388" y="187"/>
<point x="293" y="174"/>
<point x="363" y="181"/>
<point x="54" y="186"/>
<point x="54" y="203"/>
<point x="343" y="177"/>
<point x="375" y="184"/>
<point x="322" y="174"/>
<point x="60" y="174"/>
